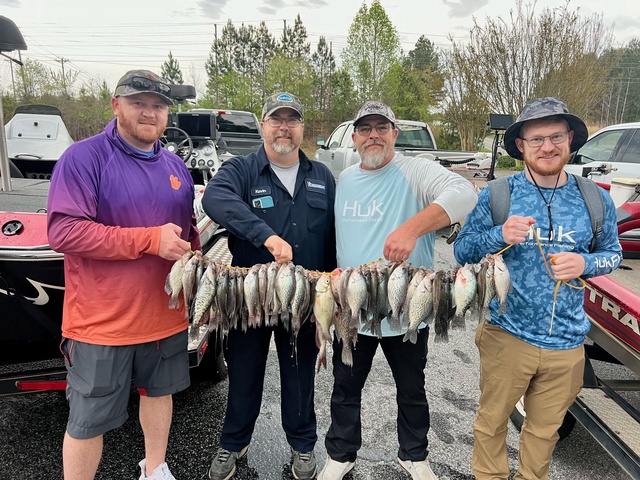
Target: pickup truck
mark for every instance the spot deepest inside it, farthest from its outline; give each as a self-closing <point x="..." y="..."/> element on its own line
<point x="612" y="152"/>
<point x="414" y="139"/>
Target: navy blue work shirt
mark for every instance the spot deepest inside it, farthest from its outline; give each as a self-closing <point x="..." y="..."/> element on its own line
<point x="247" y="198"/>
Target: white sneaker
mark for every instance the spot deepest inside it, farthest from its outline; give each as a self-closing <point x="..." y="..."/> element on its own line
<point x="160" y="473"/>
<point x="334" y="470"/>
<point x="418" y="470"/>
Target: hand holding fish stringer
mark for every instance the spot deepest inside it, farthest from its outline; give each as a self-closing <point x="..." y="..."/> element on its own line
<point x="558" y="282"/>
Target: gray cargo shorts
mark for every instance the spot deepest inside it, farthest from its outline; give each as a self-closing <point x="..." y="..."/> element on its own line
<point x="99" y="379"/>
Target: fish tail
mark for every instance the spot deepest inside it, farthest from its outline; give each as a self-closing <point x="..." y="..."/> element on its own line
<point x="394" y="322"/>
<point x="347" y="354"/>
<point x="411" y="335"/>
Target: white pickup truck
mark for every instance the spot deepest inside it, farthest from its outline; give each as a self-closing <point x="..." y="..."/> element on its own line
<point x="414" y="139"/>
<point x="612" y="152"/>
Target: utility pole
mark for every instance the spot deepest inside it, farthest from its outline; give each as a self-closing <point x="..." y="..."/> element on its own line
<point x="61" y="61"/>
<point x="215" y="53"/>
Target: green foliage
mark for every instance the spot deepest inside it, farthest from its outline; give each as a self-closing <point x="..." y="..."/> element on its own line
<point x="293" y="75"/>
<point x="505" y="162"/>
<point x="85" y="111"/>
<point x="171" y="72"/>
<point x="294" y="43"/>
<point x="373" y="46"/>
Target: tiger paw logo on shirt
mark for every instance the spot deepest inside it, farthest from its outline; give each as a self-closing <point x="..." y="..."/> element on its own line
<point x="175" y="183"/>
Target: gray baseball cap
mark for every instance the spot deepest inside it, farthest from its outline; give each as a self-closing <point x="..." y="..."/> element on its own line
<point x="281" y="100"/>
<point x="542" y="108"/>
<point x="374" y="107"/>
<point x="135" y="82"/>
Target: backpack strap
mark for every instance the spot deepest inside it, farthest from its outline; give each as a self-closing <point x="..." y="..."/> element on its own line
<point x="595" y="205"/>
<point x="499" y="200"/>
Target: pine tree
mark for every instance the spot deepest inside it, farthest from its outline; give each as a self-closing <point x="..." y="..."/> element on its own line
<point x="171" y="72"/>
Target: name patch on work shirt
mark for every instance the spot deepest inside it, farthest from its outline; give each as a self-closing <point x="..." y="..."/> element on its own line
<point x="316" y="186"/>
<point x="258" y="191"/>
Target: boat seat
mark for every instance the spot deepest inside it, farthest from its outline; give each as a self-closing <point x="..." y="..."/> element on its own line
<point x="180" y="93"/>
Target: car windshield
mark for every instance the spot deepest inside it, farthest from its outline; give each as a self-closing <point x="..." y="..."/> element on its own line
<point x="237" y="123"/>
<point x="413" y="136"/>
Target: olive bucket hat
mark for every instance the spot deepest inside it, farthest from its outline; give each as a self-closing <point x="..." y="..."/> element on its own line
<point x="542" y="108"/>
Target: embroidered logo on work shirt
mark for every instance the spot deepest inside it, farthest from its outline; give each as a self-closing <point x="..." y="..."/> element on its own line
<point x="316" y="186"/>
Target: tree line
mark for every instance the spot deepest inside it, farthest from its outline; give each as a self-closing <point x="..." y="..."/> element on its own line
<point x="504" y="62"/>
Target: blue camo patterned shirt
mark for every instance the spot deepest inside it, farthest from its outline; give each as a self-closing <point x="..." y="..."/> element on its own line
<point x="529" y="304"/>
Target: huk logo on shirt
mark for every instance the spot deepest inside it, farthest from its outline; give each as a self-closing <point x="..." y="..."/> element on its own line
<point x="358" y="210"/>
<point x="560" y="237"/>
<point x="175" y="183"/>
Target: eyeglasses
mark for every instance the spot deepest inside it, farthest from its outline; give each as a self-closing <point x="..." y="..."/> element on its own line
<point x="365" y="130"/>
<point x="147" y="85"/>
<point x="277" y="122"/>
<point x="556" y="138"/>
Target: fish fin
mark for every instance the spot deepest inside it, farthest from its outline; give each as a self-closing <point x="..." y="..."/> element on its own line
<point x="411" y="335"/>
<point x="503" y="308"/>
<point x="347" y="354"/>
<point x="394" y="322"/>
<point x="441" y="338"/>
<point x="167" y="285"/>
<point x="458" y="322"/>
<point x="175" y="303"/>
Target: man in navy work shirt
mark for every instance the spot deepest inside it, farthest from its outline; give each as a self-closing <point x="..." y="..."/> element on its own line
<point x="276" y="204"/>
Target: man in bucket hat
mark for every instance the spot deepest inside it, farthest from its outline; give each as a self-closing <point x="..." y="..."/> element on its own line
<point x="121" y="210"/>
<point x="533" y="348"/>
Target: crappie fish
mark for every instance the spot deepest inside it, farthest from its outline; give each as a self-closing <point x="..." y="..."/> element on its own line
<point x="347" y="334"/>
<point x="417" y="277"/>
<point x="465" y="291"/>
<point x="502" y="280"/>
<point x="272" y="271"/>
<point x="490" y="284"/>
<point x="173" y="283"/>
<point x="222" y="288"/>
<point x="262" y="285"/>
<point x="324" y="307"/>
<point x="251" y="291"/>
<point x="356" y="296"/>
<point x="285" y="288"/>
<point x="205" y="294"/>
<point x="189" y="280"/>
<point x="442" y="301"/>
<point x="297" y="302"/>
<point x="420" y="307"/>
<point x="397" y="293"/>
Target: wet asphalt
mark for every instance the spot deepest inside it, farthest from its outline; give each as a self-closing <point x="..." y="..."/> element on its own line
<point x="32" y="426"/>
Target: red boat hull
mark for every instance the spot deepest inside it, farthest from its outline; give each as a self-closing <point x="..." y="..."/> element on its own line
<point x="614" y="308"/>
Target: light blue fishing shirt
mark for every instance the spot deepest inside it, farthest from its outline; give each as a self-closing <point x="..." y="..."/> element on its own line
<point x="370" y="204"/>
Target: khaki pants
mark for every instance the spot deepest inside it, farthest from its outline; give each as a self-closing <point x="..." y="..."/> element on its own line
<point x="550" y="380"/>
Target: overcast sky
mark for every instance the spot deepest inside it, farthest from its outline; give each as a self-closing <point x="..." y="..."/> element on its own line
<point x="101" y="39"/>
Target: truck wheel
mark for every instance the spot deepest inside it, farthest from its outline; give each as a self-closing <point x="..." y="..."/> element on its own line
<point x="518" y="415"/>
<point x="212" y="367"/>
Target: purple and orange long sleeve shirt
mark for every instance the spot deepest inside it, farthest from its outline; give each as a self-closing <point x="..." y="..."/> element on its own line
<point x="106" y="205"/>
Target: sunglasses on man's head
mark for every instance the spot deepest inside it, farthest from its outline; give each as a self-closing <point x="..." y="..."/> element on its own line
<point x="146" y="85"/>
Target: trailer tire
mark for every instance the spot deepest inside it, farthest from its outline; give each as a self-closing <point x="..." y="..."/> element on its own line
<point x="212" y="367"/>
<point x="518" y="415"/>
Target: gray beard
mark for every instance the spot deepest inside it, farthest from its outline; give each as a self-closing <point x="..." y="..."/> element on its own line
<point x="374" y="160"/>
<point x="282" y="148"/>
